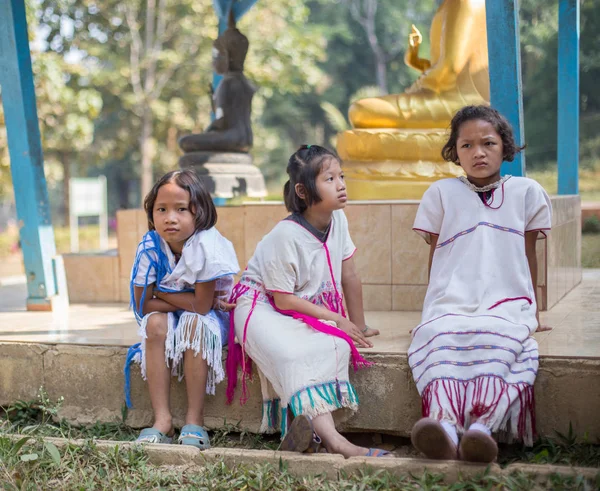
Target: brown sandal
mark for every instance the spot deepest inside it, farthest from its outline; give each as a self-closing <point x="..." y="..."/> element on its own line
<point x="477" y="446"/>
<point x="299" y="435"/>
<point x="429" y="437"/>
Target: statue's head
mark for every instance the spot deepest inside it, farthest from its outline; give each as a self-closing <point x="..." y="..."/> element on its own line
<point x="230" y="49"/>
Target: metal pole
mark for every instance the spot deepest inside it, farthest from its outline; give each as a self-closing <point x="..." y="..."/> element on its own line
<point x="568" y="97"/>
<point x="27" y="162"/>
<point x="506" y="89"/>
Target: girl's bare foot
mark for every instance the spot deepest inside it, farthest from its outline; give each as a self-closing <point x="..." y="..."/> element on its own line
<point x="369" y="332"/>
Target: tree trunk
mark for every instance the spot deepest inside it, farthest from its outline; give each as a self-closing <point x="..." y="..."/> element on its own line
<point x="146" y="158"/>
<point x="381" y="74"/>
<point x="66" y="165"/>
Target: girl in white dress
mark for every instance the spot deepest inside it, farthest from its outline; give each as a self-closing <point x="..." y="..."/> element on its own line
<point x="290" y="317"/>
<point x="473" y="357"/>
<point x="182" y="275"/>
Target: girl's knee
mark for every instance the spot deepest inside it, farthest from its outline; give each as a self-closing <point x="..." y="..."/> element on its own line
<point x="157" y="327"/>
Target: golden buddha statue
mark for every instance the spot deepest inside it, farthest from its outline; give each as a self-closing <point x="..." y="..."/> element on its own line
<point x="393" y="152"/>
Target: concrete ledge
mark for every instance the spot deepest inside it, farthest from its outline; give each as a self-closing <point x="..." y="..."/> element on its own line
<point x="329" y="465"/>
<point x="91" y="381"/>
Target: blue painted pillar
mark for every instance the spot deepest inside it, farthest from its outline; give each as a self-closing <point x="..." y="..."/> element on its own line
<point x="506" y="89"/>
<point x="568" y="97"/>
<point x="26" y="160"/>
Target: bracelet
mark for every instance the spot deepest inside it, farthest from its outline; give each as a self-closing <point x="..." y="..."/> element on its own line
<point x="365" y="329"/>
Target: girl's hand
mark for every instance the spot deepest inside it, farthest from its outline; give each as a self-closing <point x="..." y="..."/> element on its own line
<point x="222" y="305"/>
<point x="354" y="332"/>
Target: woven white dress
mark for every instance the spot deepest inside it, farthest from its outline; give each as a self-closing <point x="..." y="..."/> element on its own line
<point x="206" y="256"/>
<point x="299" y="366"/>
<point x="473" y="357"/>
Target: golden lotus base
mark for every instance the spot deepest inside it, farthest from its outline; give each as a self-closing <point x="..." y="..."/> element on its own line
<point x="382" y="144"/>
<point x="391" y="180"/>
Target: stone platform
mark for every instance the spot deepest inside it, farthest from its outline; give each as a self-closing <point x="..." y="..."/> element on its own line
<point x="79" y="354"/>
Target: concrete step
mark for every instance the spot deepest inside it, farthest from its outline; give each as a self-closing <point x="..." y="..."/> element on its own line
<point x="332" y="466"/>
<point x="90" y="378"/>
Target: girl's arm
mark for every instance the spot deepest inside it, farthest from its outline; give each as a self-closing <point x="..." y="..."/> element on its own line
<point x="289" y="301"/>
<point x="432" y="246"/>
<point x="352" y="287"/>
<point x="151" y="304"/>
<point x="199" y="302"/>
<point x="530" y="252"/>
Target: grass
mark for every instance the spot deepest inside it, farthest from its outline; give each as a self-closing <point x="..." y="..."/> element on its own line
<point x="562" y="449"/>
<point x="34" y="464"/>
<point x="589" y="182"/>
<point x="40" y="418"/>
<point x="590" y="250"/>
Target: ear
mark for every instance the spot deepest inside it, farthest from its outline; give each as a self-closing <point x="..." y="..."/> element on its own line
<point x="300" y="191"/>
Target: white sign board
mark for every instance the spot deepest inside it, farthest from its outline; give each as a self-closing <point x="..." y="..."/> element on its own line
<point x="88" y="197"/>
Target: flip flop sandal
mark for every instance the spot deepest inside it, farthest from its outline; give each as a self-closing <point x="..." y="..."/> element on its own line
<point x="429" y="437"/>
<point x="152" y="435"/>
<point x="299" y="435"/>
<point x="477" y="446"/>
<point x="377" y="452"/>
<point x="195" y="436"/>
<point x="316" y="445"/>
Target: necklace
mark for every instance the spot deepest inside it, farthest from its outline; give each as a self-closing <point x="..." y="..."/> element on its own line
<point x="486" y="188"/>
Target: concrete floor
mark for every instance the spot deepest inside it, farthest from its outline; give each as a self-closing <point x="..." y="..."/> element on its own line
<point x="575" y="322"/>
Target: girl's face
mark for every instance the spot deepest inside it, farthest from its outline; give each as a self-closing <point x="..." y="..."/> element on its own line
<point x="331" y="187"/>
<point x="172" y="217"/>
<point x="480" y="151"/>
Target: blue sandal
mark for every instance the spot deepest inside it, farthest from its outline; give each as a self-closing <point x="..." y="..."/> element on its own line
<point x="194" y="435"/>
<point x="152" y="435"/>
<point x="377" y="452"/>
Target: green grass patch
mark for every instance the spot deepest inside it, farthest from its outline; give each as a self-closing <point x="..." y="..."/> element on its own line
<point x="569" y="449"/>
<point x="590" y="250"/>
<point x="589" y="182"/>
<point x="34" y="464"/>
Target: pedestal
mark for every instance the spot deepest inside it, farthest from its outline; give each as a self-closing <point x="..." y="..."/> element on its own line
<point x="388" y="164"/>
<point x="226" y="174"/>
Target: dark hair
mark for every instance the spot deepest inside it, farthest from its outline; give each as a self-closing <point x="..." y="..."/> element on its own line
<point x="303" y="168"/>
<point x="201" y="204"/>
<point x="485" y="113"/>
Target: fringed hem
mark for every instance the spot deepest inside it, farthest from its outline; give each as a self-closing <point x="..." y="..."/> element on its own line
<point x="206" y="339"/>
<point x="270" y="416"/>
<point x="311" y="401"/>
<point x="508" y="409"/>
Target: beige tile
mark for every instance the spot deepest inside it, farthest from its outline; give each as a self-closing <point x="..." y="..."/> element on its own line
<point x="541" y="260"/>
<point x="231" y="225"/>
<point x="542" y="298"/>
<point x="403" y="237"/>
<point x="377" y="297"/>
<point x="410" y="252"/>
<point x="131" y="226"/>
<point x="258" y="221"/>
<point x="80" y="269"/>
<point x="124" y="292"/>
<point x="565" y="209"/>
<point x="410" y="268"/>
<point x="408" y="297"/>
<point x="370" y="231"/>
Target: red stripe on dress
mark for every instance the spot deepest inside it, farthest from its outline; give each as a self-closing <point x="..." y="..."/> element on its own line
<point x="504" y="300"/>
